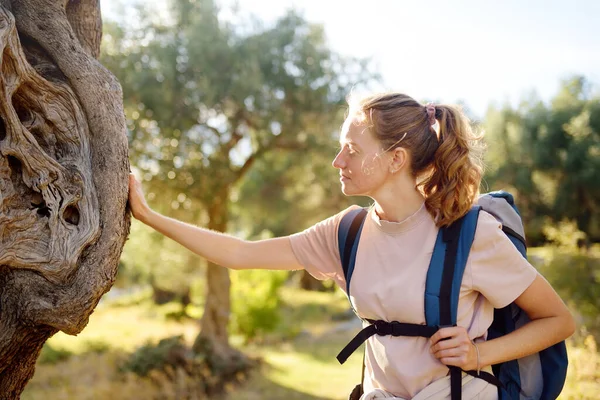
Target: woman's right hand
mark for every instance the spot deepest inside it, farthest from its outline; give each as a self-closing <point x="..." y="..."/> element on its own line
<point x="137" y="202"/>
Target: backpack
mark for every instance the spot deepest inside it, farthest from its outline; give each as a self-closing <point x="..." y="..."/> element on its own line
<point x="538" y="376"/>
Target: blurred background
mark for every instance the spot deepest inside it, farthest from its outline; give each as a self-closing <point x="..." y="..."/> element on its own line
<point x="233" y="112"/>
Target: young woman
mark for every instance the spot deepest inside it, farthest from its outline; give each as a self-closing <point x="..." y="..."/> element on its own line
<point x="420" y="166"/>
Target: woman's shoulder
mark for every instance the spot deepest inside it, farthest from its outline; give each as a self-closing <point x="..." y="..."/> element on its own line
<point x="338" y="217"/>
<point x="331" y="223"/>
<point x="487" y="233"/>
<point x="487" y="222"/>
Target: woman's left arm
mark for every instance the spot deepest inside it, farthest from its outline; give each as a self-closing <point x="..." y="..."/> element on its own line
<point x="550" y="323"/>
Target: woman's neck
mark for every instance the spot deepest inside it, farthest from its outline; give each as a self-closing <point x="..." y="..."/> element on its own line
<point x="396" y="207"/>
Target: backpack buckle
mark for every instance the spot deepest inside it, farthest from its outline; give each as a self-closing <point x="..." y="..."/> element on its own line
<point x="383" y="328"/>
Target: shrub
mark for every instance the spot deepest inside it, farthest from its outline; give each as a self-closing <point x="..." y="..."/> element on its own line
<point x="53" y="355"/>
<point x="169" y="352"/>
<point x="575" y="275"/>
<point x="256" y="302"/>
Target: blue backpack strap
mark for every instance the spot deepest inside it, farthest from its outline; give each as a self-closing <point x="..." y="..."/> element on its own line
<point x="349" y="232"/>
<point x="444" y="277"/>
<point x="442" y="288"/>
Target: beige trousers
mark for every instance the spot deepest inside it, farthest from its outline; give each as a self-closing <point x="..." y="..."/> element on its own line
<point x="472" y="389"/>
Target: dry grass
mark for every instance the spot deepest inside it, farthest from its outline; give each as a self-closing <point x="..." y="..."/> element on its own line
<point x="301" y="369"/>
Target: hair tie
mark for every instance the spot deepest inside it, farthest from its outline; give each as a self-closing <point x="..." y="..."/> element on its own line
<point x="430" y="108"/>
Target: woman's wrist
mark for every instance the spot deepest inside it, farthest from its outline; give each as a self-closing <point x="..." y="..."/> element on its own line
<point x="478" y="358"/>
<point x="144" y="215"/>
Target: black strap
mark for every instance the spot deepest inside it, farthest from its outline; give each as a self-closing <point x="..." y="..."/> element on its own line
<point x="450" y="235"/>
<point x="455" y="383"/>
<point x="486" y="376"/>
<point x="384" y="328"/>
<point x="514" y="234"/>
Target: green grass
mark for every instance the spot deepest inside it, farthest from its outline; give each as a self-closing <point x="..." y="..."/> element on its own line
<point x="299" y="360"/>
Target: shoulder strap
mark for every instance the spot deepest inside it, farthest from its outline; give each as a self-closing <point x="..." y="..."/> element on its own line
<point x="446" y="269"/>
<point x="349" y="232"/>
<point x="444" y="276"/>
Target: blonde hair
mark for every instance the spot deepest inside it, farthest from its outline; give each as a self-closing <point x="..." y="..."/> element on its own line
<point x="447" y="167"/>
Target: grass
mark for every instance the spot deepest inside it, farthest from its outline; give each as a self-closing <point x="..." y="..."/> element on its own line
<point x="299" y="368"/>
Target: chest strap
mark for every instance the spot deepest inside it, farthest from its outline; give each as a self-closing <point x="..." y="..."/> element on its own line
<point x="384" y="328"/>
<point x="395" y="328"/>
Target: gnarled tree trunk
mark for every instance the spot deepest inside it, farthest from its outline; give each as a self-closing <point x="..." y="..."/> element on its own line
<point x="63" y="177"/>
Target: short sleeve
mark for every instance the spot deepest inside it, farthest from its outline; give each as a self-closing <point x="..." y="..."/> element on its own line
<point x="316" y="249"/>
<point x="498" y="271"/>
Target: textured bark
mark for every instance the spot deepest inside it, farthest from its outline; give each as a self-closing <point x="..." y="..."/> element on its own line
<point x="63" y="177"/>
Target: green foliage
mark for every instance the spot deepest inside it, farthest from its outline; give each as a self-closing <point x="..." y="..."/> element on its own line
<point x="206" y="102"/>
<point x="549" y="156"/>
<point x="256" y="302"/>
<point x="204" y="98"/>
<point x="564" y="235"/>
<point x="150" y="258"/>
<point x="133" y="298"/>
<point x="52" y="355"/>
<point x="168" y="352"/>
<point x="96" y="346"/>
<point x="575" y="275"/>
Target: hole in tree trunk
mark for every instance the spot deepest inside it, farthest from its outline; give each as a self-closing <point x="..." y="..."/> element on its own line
<point x="37" y="201"/>
<point x="71" y="215"/>
<point x="24" y="114"/>
<point x="15" y="166"/>
<point x="25" y="196"/>
<point x="2" y="129"/>
<point x="44" y="212"/>
<point x="39" y="137"/>
<point x="32" y="119"/>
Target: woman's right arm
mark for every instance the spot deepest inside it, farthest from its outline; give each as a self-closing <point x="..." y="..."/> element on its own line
<point x="217" y="247"/>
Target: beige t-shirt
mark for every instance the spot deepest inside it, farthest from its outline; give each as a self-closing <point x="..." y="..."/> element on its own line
<point x="388" y="283"/>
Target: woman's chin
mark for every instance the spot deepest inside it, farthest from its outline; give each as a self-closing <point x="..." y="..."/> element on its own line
<point x="348" y="190"/>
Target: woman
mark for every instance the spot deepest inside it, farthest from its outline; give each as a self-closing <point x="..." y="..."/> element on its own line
<point x="420" y="179"/>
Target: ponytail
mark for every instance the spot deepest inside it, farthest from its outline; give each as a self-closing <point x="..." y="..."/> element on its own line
<point x="452" y="186"/>
<point x="447" y="165"/>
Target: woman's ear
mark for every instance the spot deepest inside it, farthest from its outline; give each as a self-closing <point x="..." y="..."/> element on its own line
<point x="399" y="158"/>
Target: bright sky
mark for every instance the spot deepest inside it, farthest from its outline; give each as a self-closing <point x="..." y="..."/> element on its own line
<point x="477" y="52"/>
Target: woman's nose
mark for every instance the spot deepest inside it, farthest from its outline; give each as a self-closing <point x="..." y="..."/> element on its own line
<point x="338" y="162"/>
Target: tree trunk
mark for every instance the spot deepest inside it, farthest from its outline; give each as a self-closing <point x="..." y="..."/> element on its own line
<point x="218" y="303"/>
<point x="213" y="340"/>
<point x="63" y="177"/>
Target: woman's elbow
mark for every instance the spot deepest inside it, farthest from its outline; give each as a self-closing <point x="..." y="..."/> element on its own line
<point x="568" y="324"/>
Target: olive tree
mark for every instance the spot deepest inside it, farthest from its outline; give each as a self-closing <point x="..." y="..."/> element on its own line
<point x="63" y="177"/>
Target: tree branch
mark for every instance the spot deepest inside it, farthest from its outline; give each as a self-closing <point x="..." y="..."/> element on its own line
<point x="275" y="143"/>
<point x="86" y="21"/>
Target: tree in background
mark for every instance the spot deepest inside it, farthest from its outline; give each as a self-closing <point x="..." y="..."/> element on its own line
<point x="63" y="177"/>
<point x="550" y="156"/>
<point x="207" y="99"/>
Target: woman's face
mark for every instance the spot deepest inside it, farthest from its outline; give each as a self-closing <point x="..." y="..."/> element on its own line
<point x="361" y="160"/>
